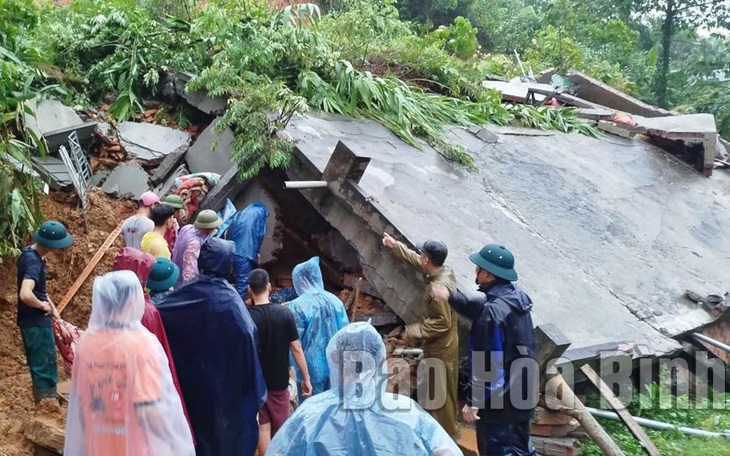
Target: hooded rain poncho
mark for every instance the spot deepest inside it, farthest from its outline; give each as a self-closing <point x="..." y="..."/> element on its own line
<point x="357" y="417"/>
<point x="123" y="401"/>
<point x="140" y="263"/>
<point x="214" y="343"/>
<point x="246" y="229"/>
<point x="319" y="315"/>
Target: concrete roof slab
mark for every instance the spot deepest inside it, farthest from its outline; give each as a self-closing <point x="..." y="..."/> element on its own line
<point x="607" y="233"/>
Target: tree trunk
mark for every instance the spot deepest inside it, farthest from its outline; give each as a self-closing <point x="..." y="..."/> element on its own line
<point x="662" y="75"/>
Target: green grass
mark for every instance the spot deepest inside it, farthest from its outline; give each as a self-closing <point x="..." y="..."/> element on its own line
<point x="680" y="411"/>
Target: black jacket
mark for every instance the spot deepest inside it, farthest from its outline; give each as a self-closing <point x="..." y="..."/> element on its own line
<point x="502" y="330"/>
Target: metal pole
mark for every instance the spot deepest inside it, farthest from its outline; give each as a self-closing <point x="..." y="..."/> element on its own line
<point x="305" y="184"/>
<point x="658" y="424"/>
<point x="711" y="341"/>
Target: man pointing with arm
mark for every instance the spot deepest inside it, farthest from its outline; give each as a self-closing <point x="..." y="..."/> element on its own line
<point x="437" y="329"/>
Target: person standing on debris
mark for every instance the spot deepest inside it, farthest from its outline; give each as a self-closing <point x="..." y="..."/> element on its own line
<point x="501" y="333"/>
<point x="175" y="202"/>
<point x="154" y="242"/>
<point x="277" y="337"/>
<point x="123" y="401"/>
<point x="140" y="263"/>
<point x="163" y="276"/>
<point x="36" y="309"/>
<point x="438" y="329"/>
<point x="318" y="315"/>
<point x="357" y="416"/>
<point x="136" y="226"/>
<point x="214" y="342"/>
<point x="189" y="242"/>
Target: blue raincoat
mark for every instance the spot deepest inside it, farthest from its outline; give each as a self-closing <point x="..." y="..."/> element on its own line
<point x="357" y="417"/>
<point x="246" y="229"/>
<point x="214" y="341"/>
<point x="319" y="315"/>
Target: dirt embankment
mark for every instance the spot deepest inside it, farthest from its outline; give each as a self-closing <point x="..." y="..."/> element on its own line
<point x="16" y="400"/>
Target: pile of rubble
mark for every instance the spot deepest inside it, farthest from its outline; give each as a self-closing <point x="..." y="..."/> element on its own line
<point x="693" y="137"/>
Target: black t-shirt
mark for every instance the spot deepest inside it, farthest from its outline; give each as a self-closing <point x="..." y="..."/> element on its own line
<point x="277" y="330"/>
<point x="31" y="266"/>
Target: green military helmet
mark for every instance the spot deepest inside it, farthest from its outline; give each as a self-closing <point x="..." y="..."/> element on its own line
<point x="496" y="260"/>
<point x="53" y="235"/>
<point x="163" y="275"/>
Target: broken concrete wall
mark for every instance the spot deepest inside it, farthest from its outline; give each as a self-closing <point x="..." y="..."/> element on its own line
<point x="595" y="91"/>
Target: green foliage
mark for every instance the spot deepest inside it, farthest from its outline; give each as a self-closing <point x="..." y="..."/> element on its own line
<point x="459" y="38"/>
<point x="658" y="403"/>
<point x="18" y="82"/>
<point x="361" y="60"/>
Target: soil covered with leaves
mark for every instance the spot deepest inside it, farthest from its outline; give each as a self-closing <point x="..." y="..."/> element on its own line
<point x="16" y="400"/>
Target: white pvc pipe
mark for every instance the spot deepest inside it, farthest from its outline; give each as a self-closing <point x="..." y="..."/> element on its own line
<point x="401" y="351"/>
<point x="712" y="341"/>
<point x="305" y="184"/>
<point x="658" y="424"/>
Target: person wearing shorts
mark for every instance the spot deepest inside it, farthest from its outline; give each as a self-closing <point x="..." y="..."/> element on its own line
<point x="277" y="337"/>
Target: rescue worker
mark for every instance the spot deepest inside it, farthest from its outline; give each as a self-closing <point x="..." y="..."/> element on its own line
<point x="501" y="333"/>
<point x="175" y="202"/>
<point x="318" y="315"/>
<point x="36" y="309"/>
<point x="437" y="330"/>
<point x="357" y="417"/>
<point x="214" y="342"/>
<point x="163" y="276"/>
<point x="123" y="401"/>
<point x="136" y="226"/>
<point x="189" y="241"/>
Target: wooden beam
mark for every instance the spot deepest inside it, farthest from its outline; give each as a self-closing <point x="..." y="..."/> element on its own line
<point x="620" y="409"/>
<point x="89" y="268"/>
<point x="561" y="398"/>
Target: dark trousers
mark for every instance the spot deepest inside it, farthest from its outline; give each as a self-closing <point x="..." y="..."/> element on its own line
<point x="40" y="354"/>
<point x="504" y="439"/>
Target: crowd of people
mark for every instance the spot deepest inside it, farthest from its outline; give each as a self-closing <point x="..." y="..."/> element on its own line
<point x="174" y="362"/>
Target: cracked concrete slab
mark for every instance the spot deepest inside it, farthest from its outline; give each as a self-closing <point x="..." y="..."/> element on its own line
<point x="608" y="233"/>
<point x="50" y="115"/>
<point x="127" y="181"/>
<point x="151" y="142"/>
<point x="211" y="152"/>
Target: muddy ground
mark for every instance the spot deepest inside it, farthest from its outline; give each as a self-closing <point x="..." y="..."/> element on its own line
<point x="16" y="401"/>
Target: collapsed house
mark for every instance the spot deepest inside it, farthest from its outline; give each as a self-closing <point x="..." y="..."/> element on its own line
<point x="607" y="232"/>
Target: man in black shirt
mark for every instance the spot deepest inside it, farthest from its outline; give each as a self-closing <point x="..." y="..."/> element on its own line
<point x="35" y="308"/>
<point x="277" y="337"/>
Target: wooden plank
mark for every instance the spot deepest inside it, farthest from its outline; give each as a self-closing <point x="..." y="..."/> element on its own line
<point x="560" y="397"/>
<point x="550" y="417"/>
<point x="547" y="430"/>
<point x="620" y="409"/>
<point x="89" y="268"/>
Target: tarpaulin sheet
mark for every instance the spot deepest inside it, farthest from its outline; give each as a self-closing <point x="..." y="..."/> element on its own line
<point x="214" y="344"/>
